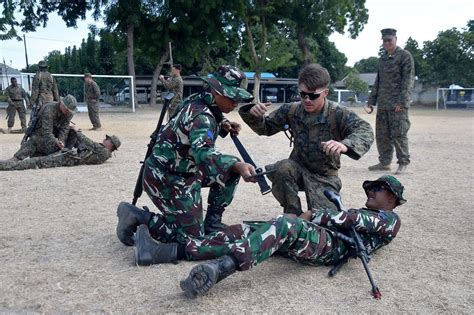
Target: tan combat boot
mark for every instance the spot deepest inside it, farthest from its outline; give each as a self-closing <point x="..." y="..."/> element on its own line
<point x="402" y="169"/>
<point x="380" y="167"/>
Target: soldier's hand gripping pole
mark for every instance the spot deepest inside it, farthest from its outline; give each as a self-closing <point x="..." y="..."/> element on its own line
<point x="359" y="247"/>
<point x="137" y="192"/>
<point x="261" y="181"/>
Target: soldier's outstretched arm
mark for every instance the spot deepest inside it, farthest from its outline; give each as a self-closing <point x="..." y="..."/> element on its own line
<point x="265" y="125"/>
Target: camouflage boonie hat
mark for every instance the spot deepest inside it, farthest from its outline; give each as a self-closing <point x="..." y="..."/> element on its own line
<point x="42" y="64"/>
<point x="70" y="102"/>
<point x="115" y="141"/>
<point x="227" y="81"/>
<point x="390" y="182"/>
<point x="388" y="33"/>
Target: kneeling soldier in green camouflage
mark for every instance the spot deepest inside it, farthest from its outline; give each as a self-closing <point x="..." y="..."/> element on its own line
<point x="79" y="150"/>
<point x="185" y="159"/>
<point x="51" y="130"/>
<point x="309" y="239"/>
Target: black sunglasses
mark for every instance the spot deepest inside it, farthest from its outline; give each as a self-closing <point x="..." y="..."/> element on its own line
<point x="377" y="188"/>
<point x="311" y="96"/>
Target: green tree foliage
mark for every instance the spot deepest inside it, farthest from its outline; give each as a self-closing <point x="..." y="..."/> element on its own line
<point x="35" y="14"/>
<point x="417" y="53"/>
<point x="318" y="19"/>
<point x="367" y="65"/>
<point x="356" y="84"/>
<point x="450" y="57"/>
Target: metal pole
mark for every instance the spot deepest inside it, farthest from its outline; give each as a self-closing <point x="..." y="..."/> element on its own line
<point x="132" y="94"/>
<point x="27" y="65"/>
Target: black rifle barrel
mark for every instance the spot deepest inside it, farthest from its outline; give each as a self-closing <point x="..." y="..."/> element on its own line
<point x="361" y="251"/>
<point x="261" y="181"/>
<point x="137" y="192"/>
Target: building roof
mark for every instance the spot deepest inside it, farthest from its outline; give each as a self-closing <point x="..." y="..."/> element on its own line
<point x="368" y="78"/>
<point x="6" y="69"/>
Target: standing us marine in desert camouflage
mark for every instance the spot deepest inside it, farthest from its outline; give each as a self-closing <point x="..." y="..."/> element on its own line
<point x="44" y="88"/>
<point x="174" y="84"/>
<point x="15" y="96"/>
<point x="92" y="94"/>
<point x="391" y="93"/>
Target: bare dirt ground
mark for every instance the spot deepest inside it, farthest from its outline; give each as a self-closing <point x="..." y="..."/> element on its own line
<point x="59" y="252"/>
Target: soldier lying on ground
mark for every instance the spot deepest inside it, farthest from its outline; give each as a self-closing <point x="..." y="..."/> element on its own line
<point x="184" y="159"/>
<point x="79" y="150"/>
<point x="307" y="239"/>
<point x="322" y="131"/>
<point x="51" y="129"/>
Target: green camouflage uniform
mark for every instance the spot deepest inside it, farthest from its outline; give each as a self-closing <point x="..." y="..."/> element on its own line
<point x="392" y="87"/>
<point x="175" y="85"/>
<point x="183" y="161"/>
<point x="43" y="89"/>
<point x="312" y="243"/>
<point x="84" y="151"/>
<point x="92" y="95"/>
<point x="52" y="126"/>
<point x="308" y="167"/>
<point x="15" y="96"/>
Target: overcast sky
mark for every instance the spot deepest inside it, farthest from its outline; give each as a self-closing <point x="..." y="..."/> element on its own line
<point x="420" y="19"/>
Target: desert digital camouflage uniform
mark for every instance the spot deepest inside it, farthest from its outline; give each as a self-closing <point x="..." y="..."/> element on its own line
<point x="44" y="88"/>
<point x="92" y="94"/>
<point x="15" y="96"/>
<point x="392" y="87"/>
<point x="183" y="161"/>
<point x="312" y="243"/>
<point x="52" y="126"/>
<point x="175" y="85"/>
<point x="83" y="151"/>
<point x="308" y="167"/>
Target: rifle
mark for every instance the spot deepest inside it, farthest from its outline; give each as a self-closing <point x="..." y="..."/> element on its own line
<point x="34" y="117"/>
<point x="262" y="183"/>
<point x="355" y="242"/>
<point x="137" y="192"/>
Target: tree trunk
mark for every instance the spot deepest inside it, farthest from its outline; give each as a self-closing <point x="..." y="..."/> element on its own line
<point x="255" y="63"/>
<point x="256" y="87"/>
<point x="156" y="74"/>
<point x="131" y="61"/>
<point x="304" y="47"/>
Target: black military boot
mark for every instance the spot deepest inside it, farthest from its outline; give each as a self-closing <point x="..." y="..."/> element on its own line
<point x="213" y="219"/>
<point x="203" y="277"/>
<point x="129" y="218"/>
<point x="149" y="251"/>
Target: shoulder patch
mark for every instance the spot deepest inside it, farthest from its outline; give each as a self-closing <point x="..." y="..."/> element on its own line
<point x="210" y="134"/>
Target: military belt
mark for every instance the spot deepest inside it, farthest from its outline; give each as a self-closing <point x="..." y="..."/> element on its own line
<point x="18" y="100"/>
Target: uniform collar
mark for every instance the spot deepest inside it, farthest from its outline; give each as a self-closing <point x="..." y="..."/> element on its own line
<point x="388" y="56"/>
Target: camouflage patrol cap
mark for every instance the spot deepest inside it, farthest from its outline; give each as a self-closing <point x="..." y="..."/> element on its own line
<point x="42" y="64"/>
<point x="115" y="141"/>
<point x="390" y="182"/>
<point x="227" y="81"/>
<point x="388" y="33"/>
<point x="70" y="102"/>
